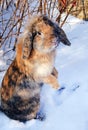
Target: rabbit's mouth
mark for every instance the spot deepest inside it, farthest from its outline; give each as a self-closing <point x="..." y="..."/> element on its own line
<point x="55" y="42"/>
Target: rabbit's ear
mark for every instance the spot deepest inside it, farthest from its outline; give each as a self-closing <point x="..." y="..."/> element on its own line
<point x="63" y="38"/>
<point x="27" y="46"/>
<point x="61" y="35"/>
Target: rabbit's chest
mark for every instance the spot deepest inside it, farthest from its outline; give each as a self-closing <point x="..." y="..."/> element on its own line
<point x="44" y="69"/>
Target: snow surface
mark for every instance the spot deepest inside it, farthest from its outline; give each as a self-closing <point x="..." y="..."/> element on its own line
<point x="67" y="108"/>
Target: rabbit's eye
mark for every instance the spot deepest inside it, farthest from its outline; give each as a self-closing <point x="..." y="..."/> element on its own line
<point x="39" y="33"/>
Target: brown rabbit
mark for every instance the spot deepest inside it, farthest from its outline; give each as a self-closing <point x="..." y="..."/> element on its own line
<point x="34" y="64"/>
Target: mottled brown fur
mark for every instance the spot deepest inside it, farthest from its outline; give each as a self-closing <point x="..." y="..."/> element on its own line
<point x="34" y="64"/>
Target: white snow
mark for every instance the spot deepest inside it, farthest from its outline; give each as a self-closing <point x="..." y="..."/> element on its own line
<point x="66" y="109"/>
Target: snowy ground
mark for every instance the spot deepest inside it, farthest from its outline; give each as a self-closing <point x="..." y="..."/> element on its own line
<point x="66" y="109"/>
